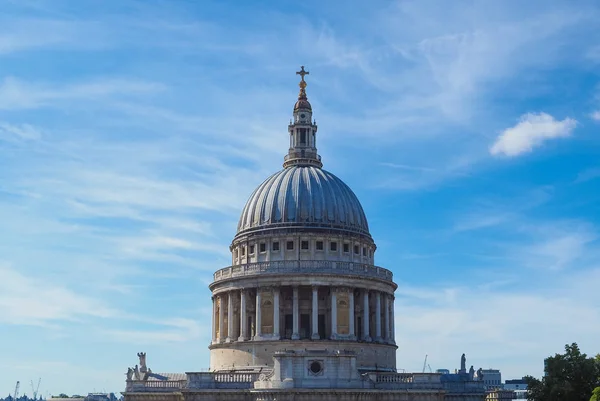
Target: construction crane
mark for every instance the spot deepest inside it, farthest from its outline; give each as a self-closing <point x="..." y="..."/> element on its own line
<point x="425" y="363"/>
<point x="16" y="390"/>
<point x="36" y="389"/>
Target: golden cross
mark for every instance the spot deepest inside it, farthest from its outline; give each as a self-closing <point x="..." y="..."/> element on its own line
<point x="302" y="73"/>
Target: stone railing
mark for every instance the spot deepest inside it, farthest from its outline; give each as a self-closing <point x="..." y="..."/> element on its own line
<point x="303" y="266"/>
<point x="396" y="381"/>
<point x="224" y="380"/>
<point x="394" y="378"/>
<point x="155" y="385"/>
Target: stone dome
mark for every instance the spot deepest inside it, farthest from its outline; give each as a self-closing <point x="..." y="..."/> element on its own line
<point x="304" y="197"/>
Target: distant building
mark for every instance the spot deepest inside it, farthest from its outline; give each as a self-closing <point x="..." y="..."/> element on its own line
<point x="500" y="395"/>
<point x="519" y="386"/>
<point x="443" y="371"/>
<point x="492" y="378"/>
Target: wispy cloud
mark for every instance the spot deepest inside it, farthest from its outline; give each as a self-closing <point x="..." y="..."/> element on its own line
<point x="16" y="94"/>
<point x="588" y="174"/>
<point x="19" y="132"/>
<point x="531" y="131"/>
<point x="35" y="301"/>
<point x="511" y="327"/>
<point x="178" y="330"/>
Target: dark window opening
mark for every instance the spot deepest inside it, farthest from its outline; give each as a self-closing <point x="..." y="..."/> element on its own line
<point x="243" y="251"/>
<point x="290" y="245"/>
<point x="333" y="246"/>
<point x="263" y="247"/>
<point x="356" y="249"/>
<point x="304" y="245"/>
<point x="319" y="245"/>
<point x="364" y="251"/>
<point x="302" y="137"/>
<point x="276" y="245"/>
<point x="251" y="249"/>
<point x="346" y="248"/>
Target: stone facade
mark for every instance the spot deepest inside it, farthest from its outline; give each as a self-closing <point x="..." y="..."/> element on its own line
<point x="303" y="312"/>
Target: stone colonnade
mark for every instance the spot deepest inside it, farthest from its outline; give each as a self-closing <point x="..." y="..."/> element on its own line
<point x="302" y="313"/>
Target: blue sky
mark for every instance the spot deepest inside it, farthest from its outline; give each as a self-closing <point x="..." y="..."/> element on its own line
<point x="132" y="132"/>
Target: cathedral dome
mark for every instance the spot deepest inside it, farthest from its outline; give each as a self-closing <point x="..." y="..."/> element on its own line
<point x="305" y="197"/>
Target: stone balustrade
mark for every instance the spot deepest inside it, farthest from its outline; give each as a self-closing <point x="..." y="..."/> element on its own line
<point x="224" y="380"/>
<point x="396" y="381"/>
<point x="302" y="267"/>
<point x="155" y="385"/>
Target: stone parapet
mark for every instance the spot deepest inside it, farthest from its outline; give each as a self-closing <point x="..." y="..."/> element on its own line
<point x="303" y="267"/>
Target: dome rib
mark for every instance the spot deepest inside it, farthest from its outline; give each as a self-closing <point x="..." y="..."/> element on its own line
<point x="303" y="197"/>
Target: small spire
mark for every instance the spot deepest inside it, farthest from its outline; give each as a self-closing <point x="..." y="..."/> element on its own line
<point x="303" y="146"/>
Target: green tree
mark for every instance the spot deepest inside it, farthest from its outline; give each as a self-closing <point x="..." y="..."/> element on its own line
<point x="571" y="376"/>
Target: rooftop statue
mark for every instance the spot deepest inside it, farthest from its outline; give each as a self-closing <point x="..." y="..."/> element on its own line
<point x="142" y="356"/>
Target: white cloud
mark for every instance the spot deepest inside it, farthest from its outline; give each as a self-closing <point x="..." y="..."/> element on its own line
<point x="513" y="329"/>
<point x="595" y="115"/>
<point x="177" y="330"/>
<point x="16" y="94"/>
<point x="531" y="131"/>
<point x="22" y="131"/>
<point x="38" y="301"/>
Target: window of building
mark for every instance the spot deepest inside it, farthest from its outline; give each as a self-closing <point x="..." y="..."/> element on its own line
<point x="346" y="248"/>
<point x="302" y="136"/>
<point x="275" y="245"/>
<point x="356" y="251"/>
<point x="290" y="245"/>
<point x="263" y="247"/>
<point x="251" y="249"/>
<point x="304" y="245"/>
<point x="243" y="251"/>
<point x="319" y="245"/>
<point x="364" y="251"/>
<point x="333" y="246"/>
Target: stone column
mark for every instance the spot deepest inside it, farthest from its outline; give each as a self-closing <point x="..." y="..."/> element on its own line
<point x="393" y="321"/>
<point x="221" y="319"/>
<point x="315" y="313"/>
<point x="243" y="318"/>
<point x="276" y="312"/>
<point x="214" y="320"/>
<point x="333" y="313"/>
<point x="351" y="313"/>
<point x="295" y="334"/>
<point x="258" y="329"/>
<point x="366" y="334"/>
<point x="386" y="316"/>
<point x="229" y="317"/>
<point x="377" y="316"/>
